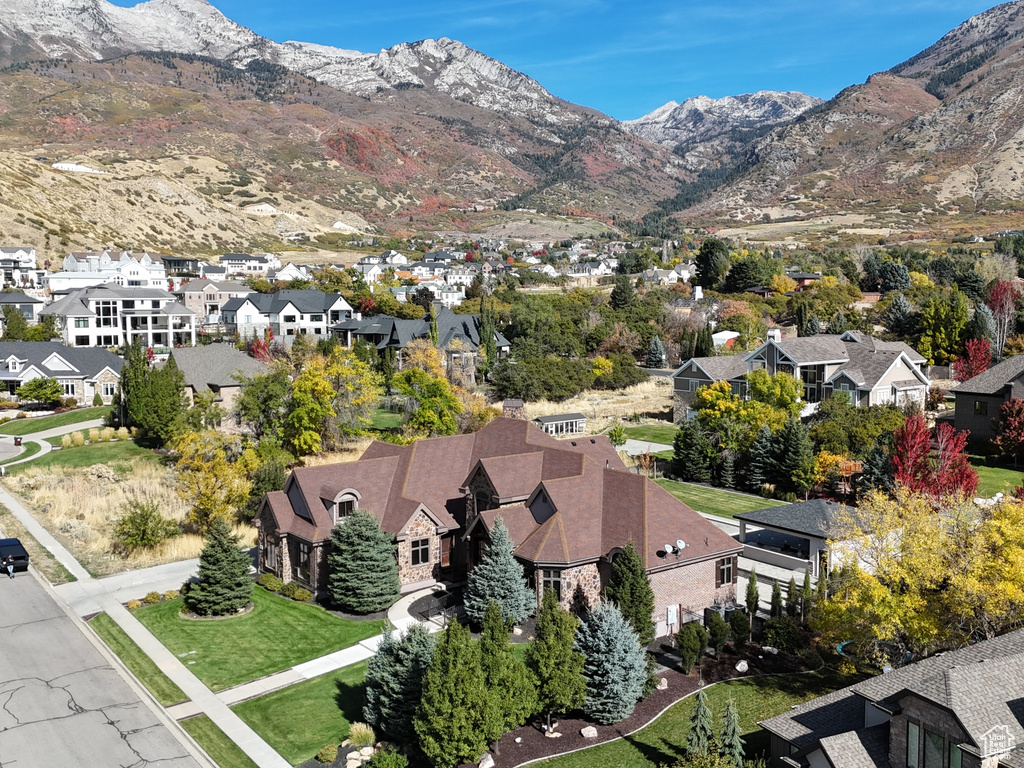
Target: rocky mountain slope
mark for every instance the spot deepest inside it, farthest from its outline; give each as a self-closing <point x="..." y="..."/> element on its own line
<point x="938" y="135"/>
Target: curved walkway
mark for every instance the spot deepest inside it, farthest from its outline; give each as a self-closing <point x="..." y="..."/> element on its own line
<point x="40" y="439"/>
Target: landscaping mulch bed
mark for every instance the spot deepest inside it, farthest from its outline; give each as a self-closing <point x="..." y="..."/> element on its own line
<point x="535" y="745"/>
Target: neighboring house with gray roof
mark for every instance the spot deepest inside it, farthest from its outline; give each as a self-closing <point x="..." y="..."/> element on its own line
<point x="207" y="298"/>
<point x="217" y="368"/>
<point x="960" y="709"/>
<point x="979" y="400"/>
<point x="792" y="536"/>
<point x="27" y="305"/>
<point x="870" y="371"/>
<point x="112" y="316"/>
<point x="82" y="372"/>
<point x="561" y="424"/>
<point x="287" y="313"/>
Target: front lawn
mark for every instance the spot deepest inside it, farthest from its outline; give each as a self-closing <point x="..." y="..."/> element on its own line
<point x="300" y="720"/>
<point x="653" y="433"/>
<point x="715" y="501"/>
<point x="661" y="742"/>
<point x="384" y="420"/>
<point x="223" y="750"/>
<point x="143" y="667"/>
<point x="120" y="452"/>
<point x="992" y="480"/>
<point x="31" y="449"/>
<point x="277" y="634"/>
<point x="76" y="416"/>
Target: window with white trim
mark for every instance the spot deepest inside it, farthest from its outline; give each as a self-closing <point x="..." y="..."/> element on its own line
<point x="725" y="574"/>
<point x="69" y="387"/>
<point x="109" y="388"/>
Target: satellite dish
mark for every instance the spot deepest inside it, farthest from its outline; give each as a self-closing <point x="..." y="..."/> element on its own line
<point x="680" y="544"/>
<point x="668" y="549"/>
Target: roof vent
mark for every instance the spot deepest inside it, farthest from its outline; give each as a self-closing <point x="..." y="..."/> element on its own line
<point x="572" y="443"/>
<point x="593" y="441"/>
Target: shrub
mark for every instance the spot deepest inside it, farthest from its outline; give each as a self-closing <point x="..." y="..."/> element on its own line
<point x="936" y="397"/>
<point x="691" y="642"/>
<point x="739" y="623"/>
<point x="185" y="588"/>
<point x="97" y="399"/>
<point x="289" y="589"/>
<point x="122" y="433"/>
<point x="133" y="604"/>
<point x="302" y="595"/>
<point x="783" y="633"/>
<point x="65" y="441"/>
<point x="141" y="526"/>
<point x="152" y="598"/>
<point x="69" y="402"/>
<point x="6" y="404"/>
<point x="78" y="439"/>
<point x="270" y="582"/>
<point x="328" y="754"/>
<point x="388" y="758"/>
<point x="21" y="415"/>
<point x="361" y="735"/>
<point x="172" y="594"/>
<point x="106" y="434"/>
<point x="94" y="435"/>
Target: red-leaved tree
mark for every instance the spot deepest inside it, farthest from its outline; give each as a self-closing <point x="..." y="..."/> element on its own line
<point x="1002" y="300"/>
<point x="940" y="470"/>
<point x="1009" y="437"/>
<point x="976" y="359"/>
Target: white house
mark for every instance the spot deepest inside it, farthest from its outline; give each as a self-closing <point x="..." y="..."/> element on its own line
<point x="286" y="313"/>
<point x="18" y="265"/>
<point x="83" y="270"/>
<point x="287" y="273"/>
<point x="250" y="265"/>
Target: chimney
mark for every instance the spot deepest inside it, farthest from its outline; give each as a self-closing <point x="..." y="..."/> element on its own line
<point x="698" y="293"/>
<point x="513" y="409"/>
<point x="775" y="334"/>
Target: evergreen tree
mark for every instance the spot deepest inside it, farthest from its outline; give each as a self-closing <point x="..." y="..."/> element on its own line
<point x="712" y="262"/>
<point x="132" y="386"/>
<point x="498" y="578"/>
<point x="15" y="325"/>
<point x="510" y="683"/>
<point x="878" y="471"/>
<point x="691" y="453"/>
<point x="726" y="465"/>
<point x="794" y="458"/>
<point x="732" y="742"/>
<point x="488" y="329"/>
<point x="704" y="346"/>
<point x="776" y="605"/>
<point x="553" y="660"/>
<point x="362" y="574"/>
<point x="813" y="327"/>
<point x="164" y="394"/>
<point x="630" y="589"/>
<point x="691" y="642"/>
<point x="899" y="318"/>
<point x="656" y="353"/>
<point x="791" y="598"/>
<point x="394" y="681"/>
<point x="753" y="597"/>
<point x="801" y="315"/>
<point x="759" y="460"/>
<point x="982" y="323"/>
<point x="457" y="717"/>
<point x="432" y="313"/>
<point x="700" y="741"/>
<point x="805" y="598"/>
<point x="718" y="633"/>
<point x="623" y="294"/>
<point x="614" y="666"/>
<point x="838" y="324"/>
<point x="739" y="623"/>
<point x="224" y="586"/>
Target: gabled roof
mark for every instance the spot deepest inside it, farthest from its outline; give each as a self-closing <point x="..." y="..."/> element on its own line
<point x="719" y="368"/>
<point x="560" y="417"/>
<point x="87" y="361"/>
<point x="809" y="349"/>
<point x="810" y="518"/>
<point x="306" y="301"/>
<point x="200" y="285"/>
<point x="12" y="297"/>
<point x="992" y="381"/>
<point x="400" y="332"/>
<point x="215" y="366"/>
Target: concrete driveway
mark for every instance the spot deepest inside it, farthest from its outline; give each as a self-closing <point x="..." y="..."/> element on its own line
<point x="61" y="702"/>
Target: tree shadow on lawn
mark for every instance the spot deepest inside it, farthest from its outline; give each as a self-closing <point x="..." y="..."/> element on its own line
<point x="667" y="754"/>
<point x="350" y="699"/>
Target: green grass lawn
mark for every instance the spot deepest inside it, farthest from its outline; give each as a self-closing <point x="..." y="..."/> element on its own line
<point x="277" y="634"/>
<point x="383" y="419"/>
<point x="120" y="452"/>
<point x="30" y="425"/>
<point x="31" y="449"/>
<point x="216" y="743"/>
<point x="992" y="480"/>
<point x="663" y="434"/>
<point x="661" y="742"/>
<point x="715" y="501"/>
<point x="143" y="667"/>
<point x="300" y="720"/>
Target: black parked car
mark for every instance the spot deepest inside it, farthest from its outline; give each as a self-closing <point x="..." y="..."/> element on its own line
<point x="13" y="548"/>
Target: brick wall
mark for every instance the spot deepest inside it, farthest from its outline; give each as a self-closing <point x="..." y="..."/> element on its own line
<point x="420" y="528"/>
<point x="691" y="587"/>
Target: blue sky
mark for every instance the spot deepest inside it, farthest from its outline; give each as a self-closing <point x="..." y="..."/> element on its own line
<point x="627" y="58"/>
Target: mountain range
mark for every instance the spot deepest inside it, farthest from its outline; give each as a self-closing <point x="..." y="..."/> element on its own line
<point x="177" y="103"/>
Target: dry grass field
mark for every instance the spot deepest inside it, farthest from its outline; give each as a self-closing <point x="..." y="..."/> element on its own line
<point x="603" y="409"/>
<point x="80" y="506"/>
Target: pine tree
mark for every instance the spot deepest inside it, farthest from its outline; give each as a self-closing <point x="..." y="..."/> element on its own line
<point x="432" y="315"/>
<point x="718" y="633"/>
<point x="791" y="598"/>
<point x="794" y="458"/>
<point x="656" y="353"/>
<point x="776" y="605"/>
<point x="615" y="664"/>
<point x="691" y="453"/>
<point x="630" y="589"/>
<point x="813" y="327"/>
<point x="759" y="460"/>
<point x="899" y="318"/>
<point x="732" y="742"/>
<point x="498" y="578"/>
<point x="553" y="660"/>
<point x="510" y="683"/>
<point x="15" y="325"/>
<point x="705" y="344"/>
<point x="691" y="642"/>
<point x="623" y="294"/>
<point x="164" y="414"/>
<point x="224" y="586"/>
<point x="981" y="324"/>
<point x="361" y="567"/>
<point x="739" y="623"/>
<point x="394" y="681"/>
<point x="806" y="598"/>
<point x="753" y="597"/>
<point x="456" y="717"/>
<point x="700" y="741"/>
<point x="725" y="469"/>
<point x="838" y="324"/>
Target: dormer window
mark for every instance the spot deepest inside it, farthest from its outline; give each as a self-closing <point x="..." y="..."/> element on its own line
<point x="344" y="508"/>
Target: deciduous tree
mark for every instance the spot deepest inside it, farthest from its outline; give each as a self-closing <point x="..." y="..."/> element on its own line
<point x="435" y="406"/>
<point x="44" y="390"/>
<point x="1009" y="438"/>
<point x="976" y="359"/>
<point x="1002" y="299"/>
<point x="213" y="475"/>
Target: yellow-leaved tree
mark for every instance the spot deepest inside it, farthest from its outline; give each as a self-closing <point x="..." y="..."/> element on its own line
<point x="213" y="475"/>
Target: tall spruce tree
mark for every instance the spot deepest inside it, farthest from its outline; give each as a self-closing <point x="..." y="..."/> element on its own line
<point x="691" y="641"/>
<point x="457" y="717"/>
<point x="691" y="453"/>
<point x="718" y="633"/>
<point x="499" y="578"/>
<point x="794" y="458"/>
<point x="732" y="741"/>
<point x="557" y="666"/>
<point x="700" y="741"/>
<point x="164" y="393"/>
<point x="775" y="611"/>
<point x="900" y="319"/>
<point x="630" y="589"/>
<point x="224" y="586"/>
<point x="362" y="574"/>
<point x="614" y="666"/>
<point x="813" y="327"/>
<point x="655" y="353"/>
<point x="705" y="344"/>
<point x="806" y="598"/>
<point x="838" y="323"/>
<point x="394" y="681"/>
<point x="982" y="323"/>
<point x="623" y="294"/>
<point x="510" y="683"/>
<point x="753" y="596"/>
<point x="759" y="460"/>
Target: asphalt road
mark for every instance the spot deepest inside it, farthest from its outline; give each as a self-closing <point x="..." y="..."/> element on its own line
<point x="61" y="702"/>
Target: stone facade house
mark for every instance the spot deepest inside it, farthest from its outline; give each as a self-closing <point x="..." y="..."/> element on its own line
<point x="870" y="371"/>
<point x="960" y="709"/>
<point x="215" y="368"/>
<point x="979" y="399"/>
<point x="82" y="372"/>
<point x="570" y="507"/>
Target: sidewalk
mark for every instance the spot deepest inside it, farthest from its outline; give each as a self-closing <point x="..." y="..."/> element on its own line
<point x="40" y="439"/>
<point x="130" y="585"/>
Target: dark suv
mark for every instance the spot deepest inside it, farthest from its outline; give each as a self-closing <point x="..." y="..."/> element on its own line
<point x="13" y="548"/>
